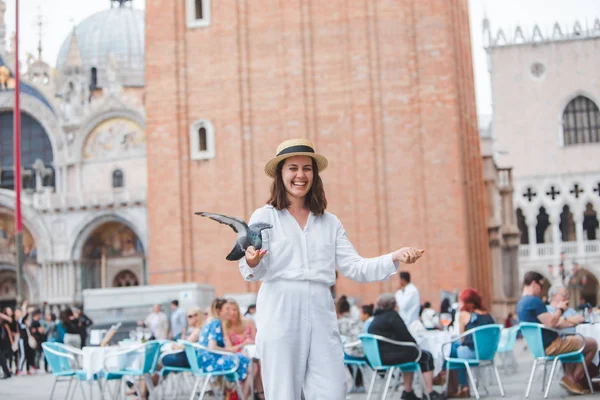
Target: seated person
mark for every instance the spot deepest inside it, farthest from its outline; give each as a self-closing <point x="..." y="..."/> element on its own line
<point x="387" y="323"/>
<point x="195" y="318"/>
<point x="239" y="332"/>
<point x="530" y="308"/>
<point x="570" y="317"/>
<point x="429" y="317"/>
<point x="472" y="314"/>
<point x="366" y="315"/>
<point x="350" y="328"/>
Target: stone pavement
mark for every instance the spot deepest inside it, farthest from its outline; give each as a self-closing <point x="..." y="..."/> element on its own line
<point x="38" y="387"/>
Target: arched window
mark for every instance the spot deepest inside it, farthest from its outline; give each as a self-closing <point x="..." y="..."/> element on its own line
<point x="117" y="179"/>
<point x="522" y="225"/>
<point x="581" y="122"/>
<point x="202" y="140"/>
<point x="35" y="145"/>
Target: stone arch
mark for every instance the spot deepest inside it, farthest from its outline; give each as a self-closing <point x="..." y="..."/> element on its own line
<point x="34" y="222"/>
<point x="542" y="225"/>
<point x="567" y="224"/>
<point x="88" y="126"/>
<point x="522" y="225"/>
<point x="8" y="276"/>
<point x="40" y="112"/>
<point x="88" y="226"/>
<point x="590" y="223"/>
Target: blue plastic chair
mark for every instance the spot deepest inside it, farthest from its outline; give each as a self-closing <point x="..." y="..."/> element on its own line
<point x="485" y="344"/>
<point x="508" y="339"/>
<point x="61" y="359"/>
<point x="149" y="351"/>
<point x="355" y="364"/>
<point x="532" y="333"/>
<point x="192" y="351"/>
<point x="172" y="371"/>
<point x="370" y="345"/>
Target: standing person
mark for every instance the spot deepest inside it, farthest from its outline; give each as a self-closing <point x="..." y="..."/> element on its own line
<point x="39" y="334"/>
<point x="408" y="299"/>
<point x="14" y="335"/>
<point x="178" y="320"/>
<point x="5" y="345"/>
<point x="27" y="354"/>
<point x="158" y="323"/>
<point x="297" y="336"/>
<point x="530" y="308"/>
<point x="83" y="323"/>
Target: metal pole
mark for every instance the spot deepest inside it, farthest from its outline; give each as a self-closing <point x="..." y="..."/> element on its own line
<point x="17" y="156"/>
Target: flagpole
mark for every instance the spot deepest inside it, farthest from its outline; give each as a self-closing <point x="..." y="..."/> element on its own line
<point x="17" y="174"/>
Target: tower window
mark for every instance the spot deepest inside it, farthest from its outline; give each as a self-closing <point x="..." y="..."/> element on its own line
<point x="198" y="13"/>
<point x="202" y="140"/>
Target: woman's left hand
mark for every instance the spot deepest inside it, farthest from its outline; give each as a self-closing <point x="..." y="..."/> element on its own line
<point x="408" y="255"/>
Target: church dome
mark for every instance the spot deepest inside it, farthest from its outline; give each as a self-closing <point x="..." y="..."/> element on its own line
<point x="116" y="33"/>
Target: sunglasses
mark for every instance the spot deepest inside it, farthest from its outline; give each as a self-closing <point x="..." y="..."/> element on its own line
<point x="192" y="315"/>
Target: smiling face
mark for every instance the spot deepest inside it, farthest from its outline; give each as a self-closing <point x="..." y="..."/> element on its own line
<point x="297" y="175"/>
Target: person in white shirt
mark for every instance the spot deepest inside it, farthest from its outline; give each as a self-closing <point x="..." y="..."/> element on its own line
<point x="429" y="317"/>
<point x="158" y="323"/>
<point x="408" y="299"/>
<point x="297" y="335"/>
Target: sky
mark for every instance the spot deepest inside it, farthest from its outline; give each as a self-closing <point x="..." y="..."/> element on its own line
<point x="59" y="17"/>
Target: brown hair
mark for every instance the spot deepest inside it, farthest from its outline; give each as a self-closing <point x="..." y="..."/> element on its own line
<point x="216" y="306"/>
<point x="239" y="322"/>
<point x="315" y="199"/>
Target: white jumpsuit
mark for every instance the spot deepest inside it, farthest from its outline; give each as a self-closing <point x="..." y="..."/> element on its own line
<point x="298" y="340"/>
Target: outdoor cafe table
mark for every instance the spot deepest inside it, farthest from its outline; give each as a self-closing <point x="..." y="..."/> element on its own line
<point x="591" y="331"/>
<point x="432" y="342"/>
<point x="92" y="360"/>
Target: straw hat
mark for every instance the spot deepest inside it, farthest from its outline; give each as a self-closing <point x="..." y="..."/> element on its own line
<point x="294" y="147"/>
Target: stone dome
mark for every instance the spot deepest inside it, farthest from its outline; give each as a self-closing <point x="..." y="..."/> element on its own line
<point x="117" y="31"/>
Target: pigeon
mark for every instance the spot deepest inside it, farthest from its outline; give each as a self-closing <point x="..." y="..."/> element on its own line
<point x="247" y="235"/>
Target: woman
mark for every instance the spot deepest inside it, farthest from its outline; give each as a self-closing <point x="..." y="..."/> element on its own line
<point x="350" y="328"/>
<point x="195" y="318"/>
<point x="211" y="337"/>
<point x="387" y="323"/>
<point x="14" y="339"/>
<point x="238" y="333"/>
<point x="27" y="354"/>
<point x="472" y="314"/>
<point x="297" y="336"/>
<point x="67" y="329"/>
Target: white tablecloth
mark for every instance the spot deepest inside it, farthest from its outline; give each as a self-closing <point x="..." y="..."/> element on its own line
<point x="93" y="359"/>
<point x="592" y="331"/>
<point x="432" y="341"/>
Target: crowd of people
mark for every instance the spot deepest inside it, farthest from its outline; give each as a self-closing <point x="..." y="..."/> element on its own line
<point x="24" y="329"/>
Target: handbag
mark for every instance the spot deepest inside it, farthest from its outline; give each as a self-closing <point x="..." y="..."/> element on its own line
<point x="14" y="345"/>
<point x="31" y="340"/>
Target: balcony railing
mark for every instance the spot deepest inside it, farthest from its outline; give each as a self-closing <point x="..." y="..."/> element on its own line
<point x="549" y="250"/>
<point x="64" y="201"/>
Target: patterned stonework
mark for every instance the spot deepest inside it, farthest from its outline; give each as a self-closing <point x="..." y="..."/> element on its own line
<point x="115" y="138"/>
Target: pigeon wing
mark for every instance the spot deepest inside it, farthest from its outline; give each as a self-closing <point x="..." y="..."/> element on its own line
<point x="237" y="225"/>
<point x="237" y="253"/>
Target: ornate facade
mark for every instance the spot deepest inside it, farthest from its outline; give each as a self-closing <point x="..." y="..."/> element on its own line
<point x="546" y="124"/>
<point x="84" y="162"/>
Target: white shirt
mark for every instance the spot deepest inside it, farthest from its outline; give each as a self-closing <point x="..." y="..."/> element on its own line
<point x="409" y="303"/>
<point x="430" y="318"/>
<point x="178" y="321"/>
<point x="313" y="253"/>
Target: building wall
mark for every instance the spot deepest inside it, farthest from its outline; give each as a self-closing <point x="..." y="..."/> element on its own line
<point x="384" y="89"/>
<point x="528" y="110"/>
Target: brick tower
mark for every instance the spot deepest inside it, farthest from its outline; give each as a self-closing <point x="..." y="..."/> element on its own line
<point x="383" y="88"/>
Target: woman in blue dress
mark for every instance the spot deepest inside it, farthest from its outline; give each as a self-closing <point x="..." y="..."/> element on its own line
<point x="211" y="336"/>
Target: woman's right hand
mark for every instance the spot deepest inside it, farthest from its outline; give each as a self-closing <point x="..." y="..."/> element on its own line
<point x="254" y="256"/>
